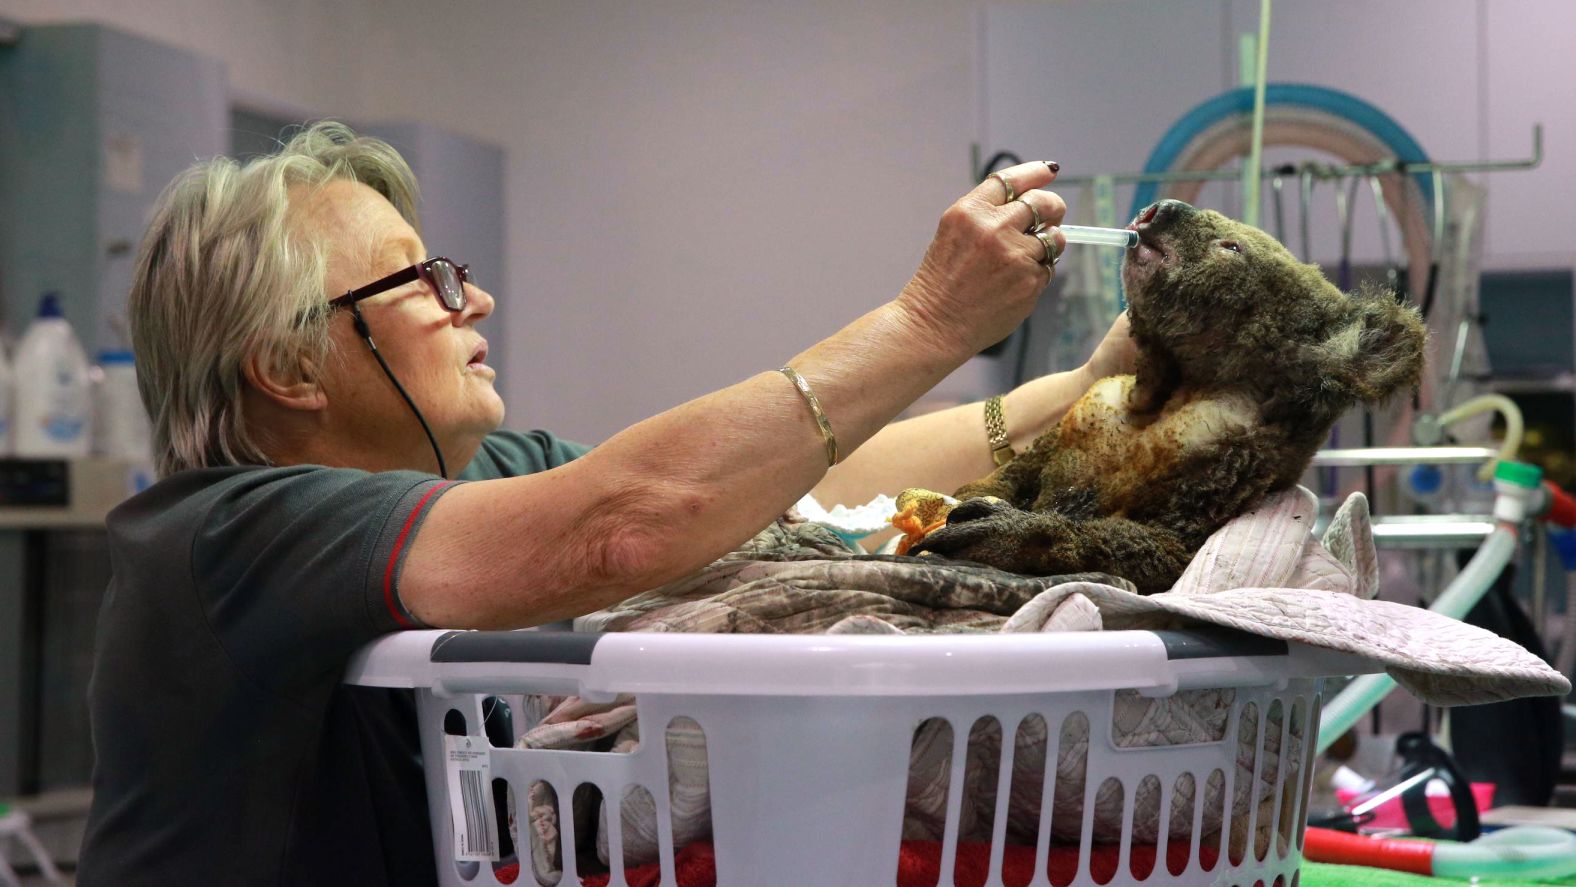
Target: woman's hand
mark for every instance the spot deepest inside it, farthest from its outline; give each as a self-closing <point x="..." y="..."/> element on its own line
<point x="1116" y="354"/>
<point x="985" y="267"/>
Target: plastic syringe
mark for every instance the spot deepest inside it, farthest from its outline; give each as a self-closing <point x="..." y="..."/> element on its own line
<point x="1100" y="236"/>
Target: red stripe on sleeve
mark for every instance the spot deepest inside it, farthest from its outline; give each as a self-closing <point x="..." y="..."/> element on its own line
<point x="399" y="545"/>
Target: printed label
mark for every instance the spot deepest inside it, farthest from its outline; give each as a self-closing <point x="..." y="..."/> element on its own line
<point x="470" y="798"/>
<point x="66" y="419"/>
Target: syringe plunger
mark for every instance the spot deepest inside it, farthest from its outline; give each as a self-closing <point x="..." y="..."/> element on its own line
<point x="1121" y="237"/>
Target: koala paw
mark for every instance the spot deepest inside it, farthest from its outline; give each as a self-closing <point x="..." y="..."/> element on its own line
<point x="924" y="506"/>
<point x="991" y="532"/>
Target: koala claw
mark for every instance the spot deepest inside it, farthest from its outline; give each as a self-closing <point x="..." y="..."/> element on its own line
<point x="994" y="533"/>
<point x="978" y="509"/>
<point x="957" y="541"/>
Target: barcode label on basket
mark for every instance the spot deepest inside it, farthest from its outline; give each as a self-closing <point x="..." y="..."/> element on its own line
<point x="470" y="798"/>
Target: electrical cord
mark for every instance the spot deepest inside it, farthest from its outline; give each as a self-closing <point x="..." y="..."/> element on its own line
<point x="996" y="161"/>
<point x="366" y="333"/>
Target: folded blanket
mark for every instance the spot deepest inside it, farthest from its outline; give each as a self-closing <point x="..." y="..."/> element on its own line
<point x="1263" y="572"/>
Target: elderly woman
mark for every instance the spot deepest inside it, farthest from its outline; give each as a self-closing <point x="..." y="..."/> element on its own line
<point x="308" y="366"/>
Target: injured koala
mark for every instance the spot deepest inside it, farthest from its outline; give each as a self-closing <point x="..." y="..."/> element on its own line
<point x="1246" y="357"/>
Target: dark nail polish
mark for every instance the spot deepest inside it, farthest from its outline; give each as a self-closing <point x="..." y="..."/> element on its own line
<point x="1053" y="166"/>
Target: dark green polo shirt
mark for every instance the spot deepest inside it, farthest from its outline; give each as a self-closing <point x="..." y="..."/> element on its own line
<point x="227" y="750"/>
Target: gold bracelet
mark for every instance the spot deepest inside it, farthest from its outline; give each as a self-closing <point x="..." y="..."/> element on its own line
<point x="827" y="436"/>
<point x="996" y="432"/>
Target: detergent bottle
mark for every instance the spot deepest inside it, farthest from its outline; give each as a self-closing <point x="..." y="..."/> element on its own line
<point x="53" y="403"/>
<point x="121" y="429"/>
<point x="120" y="425"/>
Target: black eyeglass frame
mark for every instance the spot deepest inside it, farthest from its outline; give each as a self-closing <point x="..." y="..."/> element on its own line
<point x="451" y="299"/>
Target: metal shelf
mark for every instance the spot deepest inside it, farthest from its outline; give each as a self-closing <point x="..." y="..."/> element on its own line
<point x="1564" y="382"/>
<point x="1361" y="457"/>
<point x="1323" y="171"/>
<point x="1432" y="531"/>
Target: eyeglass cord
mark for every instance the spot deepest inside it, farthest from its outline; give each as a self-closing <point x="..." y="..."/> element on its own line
<point x="366" y="333"/>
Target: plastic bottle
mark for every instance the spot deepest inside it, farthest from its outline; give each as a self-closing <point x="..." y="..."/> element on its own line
<point x="1425" y="485"/>
<point x="120" y="425"/>
<point x="53" y="403"/>
<point x="121" y="429"/>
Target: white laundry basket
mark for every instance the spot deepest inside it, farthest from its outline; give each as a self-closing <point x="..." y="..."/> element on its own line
<point x="808" y="738"/>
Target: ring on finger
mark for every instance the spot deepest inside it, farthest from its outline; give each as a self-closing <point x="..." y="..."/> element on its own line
<point x="1036" y="213"/>
<point x="1012" y="193"/>
<point x="1049" y="242"/>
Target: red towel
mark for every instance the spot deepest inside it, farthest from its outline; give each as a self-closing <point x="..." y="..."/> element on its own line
<point x="919" y="865"/>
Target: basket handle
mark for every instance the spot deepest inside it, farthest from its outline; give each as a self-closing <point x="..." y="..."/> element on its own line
<point x="1213" y="641"/>
<point x="1214" y="656"/>
<point x="562" y="647"/>
<point x="517" y="661"/>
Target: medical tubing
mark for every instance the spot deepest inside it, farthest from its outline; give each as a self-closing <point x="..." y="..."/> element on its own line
<point x="1521" y="853"/>
<point x="1460" y="596"/>
<point x="1469" y="586"/>
<point x="1345" y="848"/>
<point x="1238" y="101"/>
<point x="1482" y="404"/>
<point x="1250" y="170"/>
<point x="1562" y="507"/>
<point x="1355" y="700"/>
<point x="1525" y="852"/>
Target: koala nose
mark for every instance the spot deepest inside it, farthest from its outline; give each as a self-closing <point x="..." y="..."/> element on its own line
<point x="1164" y="213"/>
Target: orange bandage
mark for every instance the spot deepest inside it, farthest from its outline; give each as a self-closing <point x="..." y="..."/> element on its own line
<point x="909" y="522"/>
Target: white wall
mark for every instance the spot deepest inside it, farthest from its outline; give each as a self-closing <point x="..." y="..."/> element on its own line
<point x="696" y="191"/>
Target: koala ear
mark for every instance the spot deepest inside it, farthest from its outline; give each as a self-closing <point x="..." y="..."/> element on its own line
<point x="1378" y="351"/>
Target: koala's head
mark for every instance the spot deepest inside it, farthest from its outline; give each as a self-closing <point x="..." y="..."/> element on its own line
<point x="1229" y="306"/>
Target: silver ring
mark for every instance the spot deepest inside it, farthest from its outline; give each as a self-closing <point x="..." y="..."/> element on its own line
<point x="1049" y="242"/>
<point x="1036" y="213"/>
<point x="1012" y="193"/>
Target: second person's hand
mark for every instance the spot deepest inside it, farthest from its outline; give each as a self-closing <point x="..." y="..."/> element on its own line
<point x="1116" y="354"/>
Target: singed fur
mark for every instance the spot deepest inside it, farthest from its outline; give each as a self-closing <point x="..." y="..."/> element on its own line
<point x="1246" y="357"/>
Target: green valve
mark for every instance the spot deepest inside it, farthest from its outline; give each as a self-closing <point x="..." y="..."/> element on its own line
<point x="1519" y="473"/>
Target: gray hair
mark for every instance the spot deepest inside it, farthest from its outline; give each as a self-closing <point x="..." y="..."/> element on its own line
<point x="222" y="276"/>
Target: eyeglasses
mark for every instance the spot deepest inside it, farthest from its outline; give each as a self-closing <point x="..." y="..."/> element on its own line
<point x="445" y="277"/>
